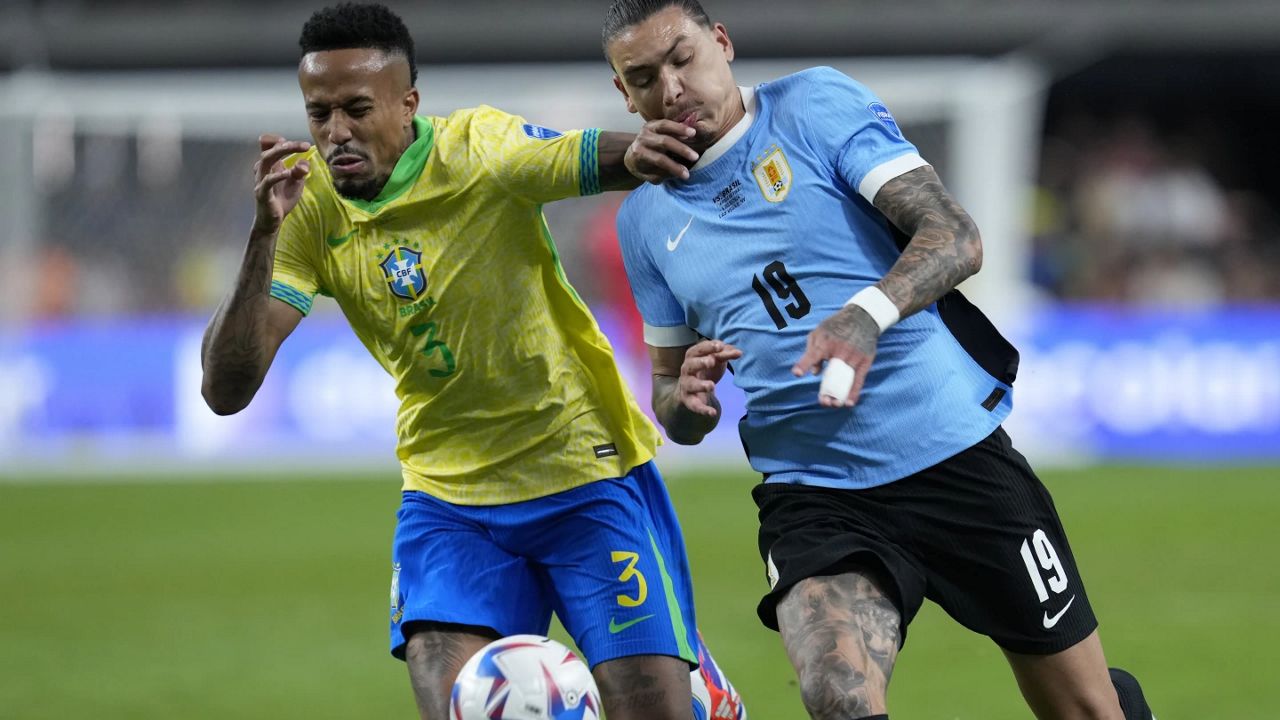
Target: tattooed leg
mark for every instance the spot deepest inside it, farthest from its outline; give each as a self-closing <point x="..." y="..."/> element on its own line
<point x="841" y="633"/>
<point x="645" y="687"/>
<point x="435" y="654"/>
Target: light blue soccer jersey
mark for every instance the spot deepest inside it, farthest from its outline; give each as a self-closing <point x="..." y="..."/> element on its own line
<point x="771" y="234"/>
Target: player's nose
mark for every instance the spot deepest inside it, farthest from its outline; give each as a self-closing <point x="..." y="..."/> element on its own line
<point x="339" y="133"/>
<point x="672" y="88"/>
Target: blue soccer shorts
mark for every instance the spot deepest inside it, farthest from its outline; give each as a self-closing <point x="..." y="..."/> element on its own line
<point x="607" y="557"/>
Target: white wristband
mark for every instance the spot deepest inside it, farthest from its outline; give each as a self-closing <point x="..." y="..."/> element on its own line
<point x="878" y="306"/>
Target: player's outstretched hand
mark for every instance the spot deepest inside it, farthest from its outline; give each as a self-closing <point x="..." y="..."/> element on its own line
<point x="850" y="335"/>
<point x="704" y="365"/>
<point x="277" y="188"/>
<point x="659" y="152"/>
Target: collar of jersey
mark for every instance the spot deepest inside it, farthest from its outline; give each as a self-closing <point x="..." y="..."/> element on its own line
<point x="406" y="171"/>
<point x="731" y="138"/>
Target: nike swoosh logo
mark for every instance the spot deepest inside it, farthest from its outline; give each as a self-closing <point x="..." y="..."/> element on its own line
<point x="336" y="241"/>
<point x="1049" y="622"/>
<point x="673" y="244"/>
<point x="615" y="627"/>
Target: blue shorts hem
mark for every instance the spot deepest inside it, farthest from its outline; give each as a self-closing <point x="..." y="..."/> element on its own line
<point x="640" y="647"/>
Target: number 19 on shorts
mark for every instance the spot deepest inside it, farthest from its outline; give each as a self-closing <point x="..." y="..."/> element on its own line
<point x="1044" y="559"/>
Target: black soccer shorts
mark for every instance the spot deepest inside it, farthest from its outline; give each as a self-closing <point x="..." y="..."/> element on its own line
<point x="977" y="533"/>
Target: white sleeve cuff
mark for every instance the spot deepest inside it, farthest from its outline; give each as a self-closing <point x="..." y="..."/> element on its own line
<point x="884" y="172"/>
<point x="674" y="336"/>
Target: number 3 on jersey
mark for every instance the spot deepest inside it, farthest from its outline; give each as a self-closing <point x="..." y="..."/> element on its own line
<point x="785" y="287"/>
<point x="432" y="346"/>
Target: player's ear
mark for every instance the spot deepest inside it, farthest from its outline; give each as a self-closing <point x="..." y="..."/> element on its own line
<point x="617" y="82"/>
<point x="411" y="99"/>
<point x="720" y="34"/>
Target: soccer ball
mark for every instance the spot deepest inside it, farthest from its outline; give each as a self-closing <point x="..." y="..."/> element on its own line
<point x="701" y="696"/>
<point x="525" y="677"/>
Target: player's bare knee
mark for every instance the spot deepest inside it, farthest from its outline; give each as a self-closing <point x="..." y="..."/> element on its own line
<point x="646" y="687"/>
<point x="837" y="691"/>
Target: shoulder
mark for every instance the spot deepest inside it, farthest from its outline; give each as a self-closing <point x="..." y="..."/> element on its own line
<point x="642" y="205"/>
<point x="815" y="84"/>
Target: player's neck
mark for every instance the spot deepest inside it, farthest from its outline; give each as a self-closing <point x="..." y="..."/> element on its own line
<point x="410" y="136"/>
<point x="737" y="111"/>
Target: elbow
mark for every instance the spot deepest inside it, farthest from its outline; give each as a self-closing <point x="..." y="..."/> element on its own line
<point x="971" y="250"/>
<point x="220" y="401"/>
<point x="684" y="439"/>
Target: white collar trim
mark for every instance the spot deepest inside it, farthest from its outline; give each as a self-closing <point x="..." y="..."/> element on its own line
<point x="724" y="144"/>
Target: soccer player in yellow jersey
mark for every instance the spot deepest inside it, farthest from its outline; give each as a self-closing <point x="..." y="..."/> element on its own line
<point x="528" y="477"/>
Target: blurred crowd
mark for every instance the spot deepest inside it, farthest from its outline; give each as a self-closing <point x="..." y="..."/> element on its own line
<point x="1121" y="213"/>
<point x="1124" y="212"/>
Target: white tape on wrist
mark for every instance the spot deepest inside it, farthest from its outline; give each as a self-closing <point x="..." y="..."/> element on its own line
<point x="878" y="306"/>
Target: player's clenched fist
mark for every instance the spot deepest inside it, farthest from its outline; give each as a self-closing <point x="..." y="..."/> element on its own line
<point x="277" y="188"/>
<point x="704" y="365"/>
<point x="659" y="152"/>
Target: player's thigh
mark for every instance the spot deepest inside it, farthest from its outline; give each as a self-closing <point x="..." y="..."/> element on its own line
<point x="616" y="567"/>
<point x="842" y="635"/>
<point x="995" y="551"/>
<point x="644" y="687"/>
<point x="1072" y="684"/>
<point x="447" y="569"/>
<point x="810" y="531"/>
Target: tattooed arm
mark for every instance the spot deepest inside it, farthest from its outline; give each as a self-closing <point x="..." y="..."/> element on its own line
<point x="245" y="333"/>
<point x="945" y="247"/>
<point x="249" y="326"/>
<point x="684" y="387"/>
<point x="944" y="250"/>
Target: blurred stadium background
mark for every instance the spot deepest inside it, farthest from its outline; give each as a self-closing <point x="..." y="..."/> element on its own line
<point x="156" y="560"/>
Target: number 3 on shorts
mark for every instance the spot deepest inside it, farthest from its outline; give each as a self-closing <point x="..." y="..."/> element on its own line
<point x="629" y="572"/>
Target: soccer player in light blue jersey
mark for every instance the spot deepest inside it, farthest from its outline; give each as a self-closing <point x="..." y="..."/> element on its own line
<point x="803" y="229"/>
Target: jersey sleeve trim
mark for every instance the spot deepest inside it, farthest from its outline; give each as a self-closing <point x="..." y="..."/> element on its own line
<point x="288" y="294"/>
<point x="589" y="163"/>
<point x="674" y="336"/>
<point x="886" y="171"/>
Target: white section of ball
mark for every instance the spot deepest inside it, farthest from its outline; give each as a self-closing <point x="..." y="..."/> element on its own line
<point x="837" y="380"/>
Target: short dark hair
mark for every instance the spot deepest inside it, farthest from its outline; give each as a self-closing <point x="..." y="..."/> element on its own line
<point x="625" y="13"/>
<point x="359" y="25"/>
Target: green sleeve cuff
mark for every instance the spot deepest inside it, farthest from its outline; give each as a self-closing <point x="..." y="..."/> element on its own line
<point x="589" y="163"/>
<point x="293" y="296"/>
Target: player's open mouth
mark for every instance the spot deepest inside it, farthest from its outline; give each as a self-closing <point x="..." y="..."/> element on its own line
<point x="347" y="164"/>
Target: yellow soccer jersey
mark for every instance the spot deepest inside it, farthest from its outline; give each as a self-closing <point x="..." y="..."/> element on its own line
<point x="450" y="278"/>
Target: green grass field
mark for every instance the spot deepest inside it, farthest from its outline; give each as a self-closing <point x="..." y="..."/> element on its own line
<point x="268" y="599"/>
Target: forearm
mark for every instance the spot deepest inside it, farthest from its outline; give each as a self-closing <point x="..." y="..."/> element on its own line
<point x="236" y="351"/>
<point x="612" y="152"/>
<point x="683" y="426"/>
<point x="945" y="246"/>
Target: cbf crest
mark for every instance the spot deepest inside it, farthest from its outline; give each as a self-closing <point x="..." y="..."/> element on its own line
<point x="773" y="174"/>
<point x="402" y="268"/>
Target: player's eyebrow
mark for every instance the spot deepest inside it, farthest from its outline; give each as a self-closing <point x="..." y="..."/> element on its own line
<point x="637" y="69"/>
<point x="347" y="102"/>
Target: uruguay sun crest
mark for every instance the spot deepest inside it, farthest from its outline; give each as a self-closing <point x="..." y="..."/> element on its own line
<point x="773" y="174"/>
